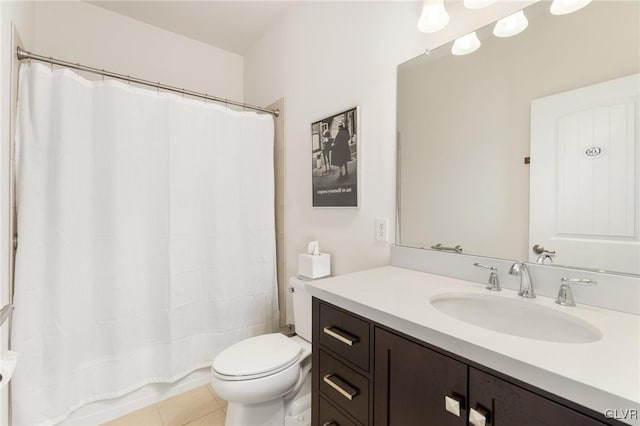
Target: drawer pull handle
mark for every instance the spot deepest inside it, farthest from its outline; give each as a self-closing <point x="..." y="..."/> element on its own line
<point x="341" y="386"/>
<point x="330" y="423"/>
<point x="341" y="336"/>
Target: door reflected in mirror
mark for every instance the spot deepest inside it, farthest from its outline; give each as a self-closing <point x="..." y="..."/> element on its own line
<point x="532" y="140"/>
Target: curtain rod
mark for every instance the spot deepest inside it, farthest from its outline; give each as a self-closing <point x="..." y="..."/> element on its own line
<point x="23" y="54"/>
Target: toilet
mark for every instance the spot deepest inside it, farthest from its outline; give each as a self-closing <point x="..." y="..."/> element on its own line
<point x="266" y="379"/>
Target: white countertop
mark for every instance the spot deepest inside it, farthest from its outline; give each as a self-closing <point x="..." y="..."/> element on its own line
<point x="600" y="375"/>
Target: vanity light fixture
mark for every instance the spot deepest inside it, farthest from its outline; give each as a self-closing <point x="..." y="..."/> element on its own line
<point x="511" y="25"/>
<point x="434" y="16"/>
<point x="466" y="44"/>
<point x="478" y="4"/>
<point x="563" y="7"/>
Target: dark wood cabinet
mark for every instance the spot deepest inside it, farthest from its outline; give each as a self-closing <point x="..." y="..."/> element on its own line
<point x="341" y="376"/>
<point x="411" y="383"/>
<point x="345" y="387"/>
<point x="329" y="415"/>
<point x="367" y="374"/>
<point x="506" y="404"/>
<point x="344" y="335"/>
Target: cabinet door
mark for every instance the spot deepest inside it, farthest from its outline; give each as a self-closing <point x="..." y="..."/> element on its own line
<point x="505" y="404"/>
<point x="411" y="383"/>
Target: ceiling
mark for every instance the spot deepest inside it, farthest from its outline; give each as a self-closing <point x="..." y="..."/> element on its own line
<point x="230" y="25"/>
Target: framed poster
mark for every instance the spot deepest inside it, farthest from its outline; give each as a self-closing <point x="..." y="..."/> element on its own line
<point x="334" y="160"/>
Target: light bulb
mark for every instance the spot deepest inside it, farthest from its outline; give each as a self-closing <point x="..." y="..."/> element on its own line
<point x="478" y="4"/>
<point x="466" y="44"/>
<point x="511" y="25"/>
<point x="563" y="7"/>
<point x="434" y="16"/>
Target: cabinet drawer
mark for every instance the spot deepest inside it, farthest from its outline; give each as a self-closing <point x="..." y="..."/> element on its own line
<point x="346" y="335"/>
<point x="331" y="416"/>
<point x="344" y="386"/>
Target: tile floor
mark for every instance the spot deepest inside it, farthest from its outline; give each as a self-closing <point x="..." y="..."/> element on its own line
<point x="198" y="407"/>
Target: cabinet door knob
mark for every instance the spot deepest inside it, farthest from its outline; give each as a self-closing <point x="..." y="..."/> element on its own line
<point x="453" y="404"/>
<point x="479" y="416"/>
<point x="340" y="335"/>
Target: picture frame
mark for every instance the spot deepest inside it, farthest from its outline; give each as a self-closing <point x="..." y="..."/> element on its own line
<point x="334" y="159"/>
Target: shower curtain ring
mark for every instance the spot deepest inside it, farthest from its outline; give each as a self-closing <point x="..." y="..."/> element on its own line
<point x="50" y="63"/>
<point x="158" y="87"/>
<point x="78" y="69"/>
<point x="103" y="75"/>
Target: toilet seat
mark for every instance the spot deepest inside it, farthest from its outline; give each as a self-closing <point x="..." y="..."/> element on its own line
<point x="256" y="357"/>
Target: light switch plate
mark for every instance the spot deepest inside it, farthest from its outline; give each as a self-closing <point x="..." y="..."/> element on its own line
<point x="382" y="229"/>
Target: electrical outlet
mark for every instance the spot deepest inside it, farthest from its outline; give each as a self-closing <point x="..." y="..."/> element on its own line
<point x="382" y="229"/>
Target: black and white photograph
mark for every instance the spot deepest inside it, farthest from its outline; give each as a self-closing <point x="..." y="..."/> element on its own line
<point x="334" y="160"/>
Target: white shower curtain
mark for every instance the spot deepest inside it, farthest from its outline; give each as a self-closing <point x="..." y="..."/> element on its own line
<point x="146" y="238"/>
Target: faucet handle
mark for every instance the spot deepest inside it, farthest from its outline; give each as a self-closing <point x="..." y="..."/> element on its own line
<point x="482" y="265"/>
<point x="494" y="282"/>
<point x="581" y="281"/>
<point x="565" y="295"/>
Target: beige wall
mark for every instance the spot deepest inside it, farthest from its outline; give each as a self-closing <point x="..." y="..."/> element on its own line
<point x="327" y="56"/>
<point x="464" y="124"/>
<point x="80" y="32"/>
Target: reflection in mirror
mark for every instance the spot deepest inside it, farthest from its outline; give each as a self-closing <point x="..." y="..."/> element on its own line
<point x="564" y="94"/>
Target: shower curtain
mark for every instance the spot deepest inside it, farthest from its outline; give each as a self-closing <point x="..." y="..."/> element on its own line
<point x="146" y="238"/>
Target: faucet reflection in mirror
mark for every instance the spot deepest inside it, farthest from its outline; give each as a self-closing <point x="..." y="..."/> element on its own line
<point x="477" y="115"/>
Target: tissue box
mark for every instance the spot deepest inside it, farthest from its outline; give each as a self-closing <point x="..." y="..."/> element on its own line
<point x="313" y="267"/>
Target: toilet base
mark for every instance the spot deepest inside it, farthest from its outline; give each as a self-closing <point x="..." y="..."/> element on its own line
<point x="291" y="412"/>
<point x="270" y="413"/>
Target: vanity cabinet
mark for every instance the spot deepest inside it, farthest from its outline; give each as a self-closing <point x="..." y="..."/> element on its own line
<point x="507" y="404"/>
<point x="342" y="374"/>
<point x="366" y="374"/>
<point x="411" y="383"/>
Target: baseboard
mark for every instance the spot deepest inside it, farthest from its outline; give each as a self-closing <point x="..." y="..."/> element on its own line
<point x="100" y="412"/>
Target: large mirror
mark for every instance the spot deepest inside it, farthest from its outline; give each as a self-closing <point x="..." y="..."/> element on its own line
<point x="527" y="148"/>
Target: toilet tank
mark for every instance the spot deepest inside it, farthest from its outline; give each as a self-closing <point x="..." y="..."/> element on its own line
<point x="301" y="308"/>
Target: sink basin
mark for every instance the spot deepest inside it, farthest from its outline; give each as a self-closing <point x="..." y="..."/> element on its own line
<point x="516" y="317"/>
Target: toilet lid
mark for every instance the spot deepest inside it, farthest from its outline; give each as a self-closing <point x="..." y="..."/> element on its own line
<point x="257" y="356"/>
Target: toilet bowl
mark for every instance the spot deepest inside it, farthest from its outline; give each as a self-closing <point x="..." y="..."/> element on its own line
<point x="261" y="377"/>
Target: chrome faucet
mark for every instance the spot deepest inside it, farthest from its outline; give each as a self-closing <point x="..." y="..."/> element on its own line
<point x="494" y="283"/>
<point x="526" y="285"/>
<point x="565" y="295"/>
